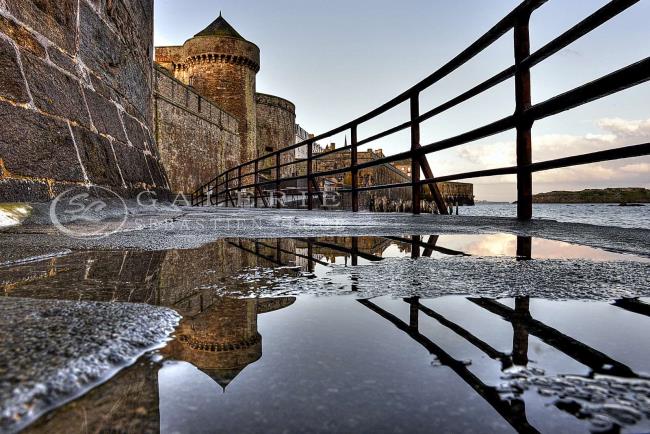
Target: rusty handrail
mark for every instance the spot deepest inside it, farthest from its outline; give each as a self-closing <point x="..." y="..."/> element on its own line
<point x="522" y="121"/>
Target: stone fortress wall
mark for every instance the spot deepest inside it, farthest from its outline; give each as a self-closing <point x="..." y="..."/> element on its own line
<point x="75" y="98"/>
<point x="196" y="138"/>
<point x="82" y="104"/>
<point x="276" y="123"/>
<point x="221" y="66"/>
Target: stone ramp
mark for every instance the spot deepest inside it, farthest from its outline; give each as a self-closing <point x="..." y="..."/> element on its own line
<point x="186" y="227"/>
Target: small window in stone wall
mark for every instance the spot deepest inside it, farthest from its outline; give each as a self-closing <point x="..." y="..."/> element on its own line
<point x="269" y="149"/>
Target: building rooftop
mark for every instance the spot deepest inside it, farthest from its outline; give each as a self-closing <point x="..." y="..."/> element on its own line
<point x="220" y="27"/>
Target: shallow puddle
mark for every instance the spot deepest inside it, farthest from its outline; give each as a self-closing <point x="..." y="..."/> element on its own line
<point x="449" y="333"/>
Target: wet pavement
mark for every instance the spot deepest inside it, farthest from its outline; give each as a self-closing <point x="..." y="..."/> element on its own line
<point x="186" y="228"/>
<point x="456" y="332"/>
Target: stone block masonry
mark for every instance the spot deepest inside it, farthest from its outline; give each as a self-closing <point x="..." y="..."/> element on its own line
<point x="276" y="123"/>
<point x="76" y="93"/>
<point x="197" y="140"/>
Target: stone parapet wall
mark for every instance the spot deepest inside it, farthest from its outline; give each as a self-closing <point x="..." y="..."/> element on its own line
<point x="167" y="57"/>
<point x="222" y="69"/>
<point x="76" y="98"/>
<point x="197" y="140"/>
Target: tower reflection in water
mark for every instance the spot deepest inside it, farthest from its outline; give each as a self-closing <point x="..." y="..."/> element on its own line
<point x="219" y="335"/>
<point x="222" y="340"/>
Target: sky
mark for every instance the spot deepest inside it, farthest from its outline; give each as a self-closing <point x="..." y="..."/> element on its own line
<point x="339" y="59"/>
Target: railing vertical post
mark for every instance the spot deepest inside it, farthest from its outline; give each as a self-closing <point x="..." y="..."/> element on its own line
<point x="277" y="180"/>
<point x="415" y="162"/>
<point x="217" y="194"/>
<point x="524" y="126"/>
<point x="524" y="247"/>
<point x="310" y="254"/>
<point x="218" y="186"/>
<point x="239" y="186"/>
<point x="354" y="170"/>
<point x="257" y="180"/>
<point x="226" y="191"/>
<point x="415" y="246"/>
<point x="310" y="188"/>
<point x="520" y="331"/>
<point x="414" y="311"/>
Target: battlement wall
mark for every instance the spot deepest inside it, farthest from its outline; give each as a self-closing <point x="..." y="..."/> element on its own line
<point x="196" y="138"/>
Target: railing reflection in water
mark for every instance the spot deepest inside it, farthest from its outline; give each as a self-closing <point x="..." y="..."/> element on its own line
<point x="220" y="337"/>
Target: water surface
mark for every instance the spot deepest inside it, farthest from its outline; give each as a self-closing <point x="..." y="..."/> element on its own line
<point x="283" y="335"/>
<point x="602" y="214"/>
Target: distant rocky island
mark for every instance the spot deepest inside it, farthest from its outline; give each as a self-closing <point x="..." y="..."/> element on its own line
<point x="606" y="195"/>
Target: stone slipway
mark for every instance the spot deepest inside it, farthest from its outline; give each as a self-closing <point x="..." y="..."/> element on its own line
<point x="52" y="351"/>
<point x="183" y="228"/>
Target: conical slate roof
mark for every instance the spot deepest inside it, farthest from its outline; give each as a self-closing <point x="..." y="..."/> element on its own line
<point x="220" y="27"/>
<point x="223" y="377"/>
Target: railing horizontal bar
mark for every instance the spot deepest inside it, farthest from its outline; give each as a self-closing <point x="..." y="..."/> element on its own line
<point x="332" y="151"/>
<point x="367" y="256"/>
<point x="377" y="187"/>
<point x="619" y="80"/>
<point x="491" y="129"/>
<point x="383" y="134"/>
<point x="589" y="158"/>
<point x="476" y="90"/>
<point x="590" y="23"/>
<point x="289" y="252"/>
<point x="385" y="160"/>
<point x="292" y="162"/>
<point x="593" y="157"/>
<point x="332" y="172"/>
<point x="492" y="35"/>
<point x="593" y="21"/>
<point x="274" y="181"/>
<point x="426" y="245"/>
<point x="487" y="130"/>
<point x="576" y="160"/>
<point x="512" y="170"/>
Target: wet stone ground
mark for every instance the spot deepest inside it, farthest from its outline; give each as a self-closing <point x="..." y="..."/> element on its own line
<point x="483" y="332"/>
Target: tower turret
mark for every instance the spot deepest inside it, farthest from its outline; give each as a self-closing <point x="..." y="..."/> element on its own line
<point x="222" y="66"/>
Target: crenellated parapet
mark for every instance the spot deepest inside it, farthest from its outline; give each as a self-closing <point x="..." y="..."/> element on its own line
<point x="276" y="102"/>
<point x="201" y="59"/>
<point x="219" y="64"/>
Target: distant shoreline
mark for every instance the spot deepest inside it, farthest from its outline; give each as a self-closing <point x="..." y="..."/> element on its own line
<point x="514" y="204"/>
<point x="596" y="196"/>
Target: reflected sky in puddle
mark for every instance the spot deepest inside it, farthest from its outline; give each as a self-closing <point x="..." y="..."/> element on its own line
<point x="379" y="366"/>
<point x="345" y="364"/>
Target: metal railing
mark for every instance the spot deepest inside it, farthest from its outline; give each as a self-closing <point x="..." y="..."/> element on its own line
<point x="220" y="190"/>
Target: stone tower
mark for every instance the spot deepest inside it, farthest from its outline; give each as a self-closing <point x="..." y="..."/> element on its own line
<point x="220" y="65"/>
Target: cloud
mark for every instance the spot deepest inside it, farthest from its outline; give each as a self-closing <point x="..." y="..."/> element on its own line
<point x="640" y="168"/>
<point x="626" y="129"/>
<point x="615" y="132"/>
